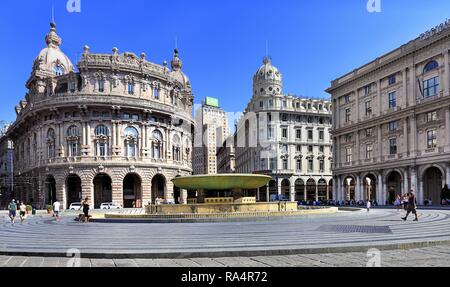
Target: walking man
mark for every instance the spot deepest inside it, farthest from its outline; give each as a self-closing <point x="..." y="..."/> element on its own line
<point x="369" y="205"/>
<point x="23" y="212"/>
<point x="56" y="209"/>
<point x="412" y="206"/>
<point x="12" y="210"/>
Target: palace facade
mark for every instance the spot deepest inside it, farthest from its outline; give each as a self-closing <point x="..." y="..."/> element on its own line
<point x="391" y="127"/>
<point x="286" y="137"/>
<point x="118" y="129"/>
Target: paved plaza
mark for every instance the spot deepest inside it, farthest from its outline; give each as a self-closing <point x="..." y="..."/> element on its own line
<point x="343" y="239"/>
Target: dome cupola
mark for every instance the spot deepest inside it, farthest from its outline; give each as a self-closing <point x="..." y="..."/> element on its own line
<point x="267" y="80"/>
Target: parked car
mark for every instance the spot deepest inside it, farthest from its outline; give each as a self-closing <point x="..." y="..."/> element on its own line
<point x="109" y="205"/>
<point x="75" y="206"/>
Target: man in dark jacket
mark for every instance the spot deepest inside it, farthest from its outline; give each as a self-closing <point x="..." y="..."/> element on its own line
<point x="412" y="206"/>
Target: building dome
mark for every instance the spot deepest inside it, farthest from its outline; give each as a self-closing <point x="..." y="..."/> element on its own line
<point x="268" y="79"/>
<point x="52" y="59"/>
<point x="177" y="74"/>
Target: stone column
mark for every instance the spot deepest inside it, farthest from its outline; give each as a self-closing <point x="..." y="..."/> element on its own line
<point x="358" y="188"/>
<point x="413" y="173"/>
<point x="267" y="193"/>
<point x="317" y="192"/>
<point x="117" y="191"/>
<point x="339" y="188"/>
<point x="447" y="129"/>
<point x="328" y="191"/>
<point x="257" y="194"/>
<point x="447" y="174"/>
<point x="405" y="89"/>
<point x="419" y="194"/>
<point x="305" y="196"/>
<point x="168" y="192"/>
<point x="357" y="105"/>
<point x="412" y="85"/>
<point x="380" y="142"/>
<point x="292" y="191"/>
<point x="358" y="149"/>
<point x="447" y="73"/>
<point x="380" y="102"/>
<point x="279" y="186"/>
<point x="405" y="181"/>
<point x="60" y="193"/>
<point x="146" y="192"/>
<point x="184" y="196"/>
<point x="405" y="136"/>
<point x="380" y="197"/>
<point x="413" y="136"/>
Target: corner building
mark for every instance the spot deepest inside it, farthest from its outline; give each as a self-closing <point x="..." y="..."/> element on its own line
<point x="117" y="130"/>
<point x="391" y="127"/>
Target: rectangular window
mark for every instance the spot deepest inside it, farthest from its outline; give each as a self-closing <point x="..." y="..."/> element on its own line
<point x="285" y="164"/>
<point x="284" y="148"/>
<point x="393" y="126"/>
<point x="369" y="151"/>
<point x="261" y="104"/>
<point x="347" y="115"/>
<point x="310" y="165"/>
<point x="284" y="133"/>
<point x="298" y="148"/>
<point x="310" y="149"/>
<point x="269" y="117"/>
<point x="321" y="149"/>
<point x="321" y="165"/>
<point x="368" y="106"/>
<point x="284" y="117"/>
<point x="431" y="117"/>
<point x="269" y="132"/>
<point x="393" y="146"/>
<point x="348" y="155"/>
<point x="347" y="99"/>
<point x="284" y="104"/>
<point x="102" y="149"/>
<point x="298" y="164"/>
<point x="431" y="87"/>
<point x="310" y="135"/>
<point x="431" y="139"/>
<point x="263" y="164"/>
<point x="392" y="100"/>
<point x="131" y="89"/>
<point x="367" y="89"/>
<point x="321" y="135"/>
<point x="392" y="80"/>
<point x="156" y="93"/>
<point x="101" y="86"/>
<point x="272" y="164"/>
<point x="298" y="134"/>
<point x="369" y="132"/>
<point x="72" y="87"/>
<point x="271" y="103"/>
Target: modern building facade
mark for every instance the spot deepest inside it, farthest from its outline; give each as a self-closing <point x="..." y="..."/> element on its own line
<point x="226" y="158"/>
<point x="211" y="131"/>
<point x="286" y="137"/>
<point x="391" y="126"/>
<point x="117" y="130"/>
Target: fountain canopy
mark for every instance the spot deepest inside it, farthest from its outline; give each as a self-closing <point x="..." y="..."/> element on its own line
<point x="221" y="182"/>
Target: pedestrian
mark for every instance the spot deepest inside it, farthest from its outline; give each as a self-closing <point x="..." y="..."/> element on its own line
<point x="22" y="212"/>
<point x="85" y="206"/>
<point x="368" y="205"/>
<point x="398" y="203"/>
<point x="412" y="206"/>
<point x="56" y="209"/>
<point x="12" y="210"/>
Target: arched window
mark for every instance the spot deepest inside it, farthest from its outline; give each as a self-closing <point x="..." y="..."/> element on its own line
<point x="156" y="92"/>
<point x="73" y="141"/>
<point x="58" y="70"/>
<point x="430" y="66"/>
<point x="101" y="140"/>
<point x="131" y="142"/>
<point x="157" y="144"/>
<point x="131" y="88"/>
<point x="176" y="148"/>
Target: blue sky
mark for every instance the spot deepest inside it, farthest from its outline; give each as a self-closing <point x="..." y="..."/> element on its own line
<point x="221" y="43"/>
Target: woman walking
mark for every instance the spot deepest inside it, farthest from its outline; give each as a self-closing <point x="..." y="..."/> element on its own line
<point x="85" y="206"/>
<point x="23" y="212"/>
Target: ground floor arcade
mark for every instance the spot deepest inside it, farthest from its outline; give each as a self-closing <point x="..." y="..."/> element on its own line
<point x="128" y="187"/>
<point x="383" y="186"/>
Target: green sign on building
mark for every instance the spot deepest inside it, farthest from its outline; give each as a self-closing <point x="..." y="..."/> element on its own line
<point x="213" y="102"/>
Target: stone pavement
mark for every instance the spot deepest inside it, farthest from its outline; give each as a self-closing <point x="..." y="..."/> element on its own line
<point x="339" y="233"/>
<point x="436" y="256"/>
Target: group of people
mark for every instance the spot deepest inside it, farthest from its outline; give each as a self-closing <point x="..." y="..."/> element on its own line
<point x="14" y="206"/>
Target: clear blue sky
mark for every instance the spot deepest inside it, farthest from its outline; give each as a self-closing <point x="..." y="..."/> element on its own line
<point x="221" y="42"/>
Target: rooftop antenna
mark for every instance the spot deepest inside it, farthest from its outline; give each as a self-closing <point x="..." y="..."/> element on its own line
<point x="53" y="11"/>
<point x="267" y="48"/>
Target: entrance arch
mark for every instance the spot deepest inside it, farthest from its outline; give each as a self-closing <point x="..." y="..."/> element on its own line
<point x="322" y="187"/>
<point x="102" y="189"/>
<point x="158" y="187"/>
<point x="311" y="190"/>
<point x="299" y="190"/>
<point x="73" y="189"/>
<point x="370" y="191"/>
<point x="286" y="188"/>
<point x="432" y="185"/>
<point x="394" y="186"/>
<point x="50" y="190"/>
<point x="132" y="195"/>
<point x="349" y="188"/>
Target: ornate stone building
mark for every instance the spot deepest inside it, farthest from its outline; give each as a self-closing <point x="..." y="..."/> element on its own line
<point x="286" y="137"/>
<point x="392" y="123"/>
<point x="117" y="130"/>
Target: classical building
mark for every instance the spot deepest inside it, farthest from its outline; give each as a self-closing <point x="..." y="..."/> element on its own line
<point x="286" y="137"/>
<point x="211" y="131"/>
<point x="118" y="129"/>
<point x="226" y="161"/>
<point x="6" y="170"/>
<point x="391" y="126"/>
